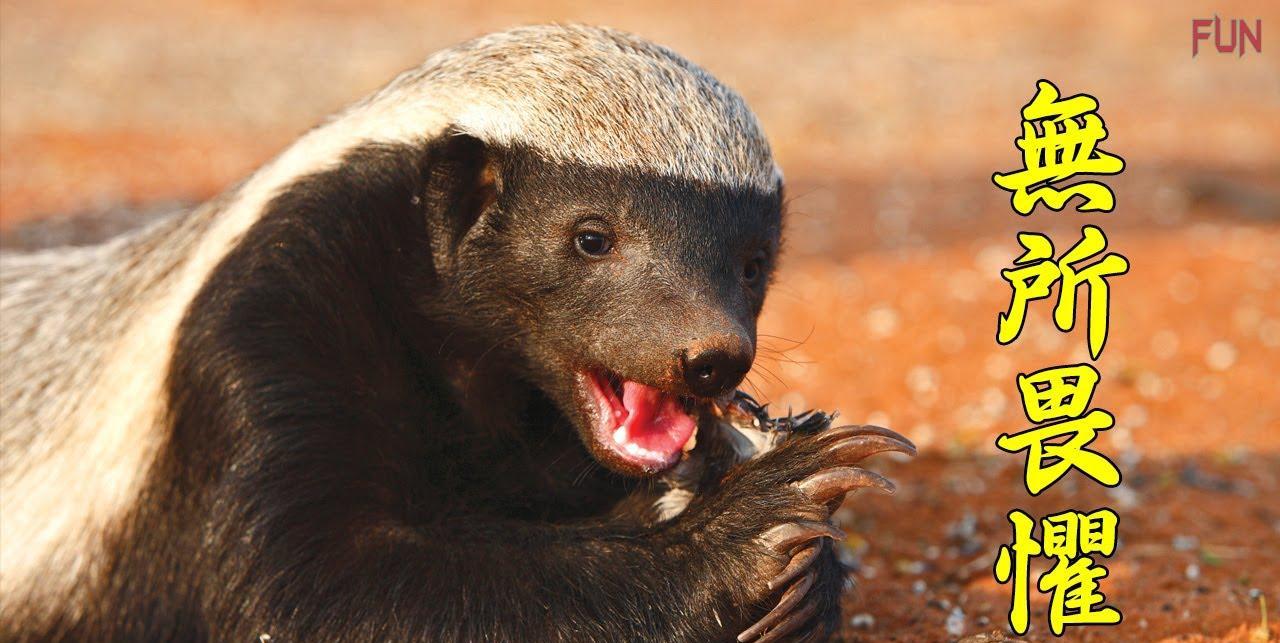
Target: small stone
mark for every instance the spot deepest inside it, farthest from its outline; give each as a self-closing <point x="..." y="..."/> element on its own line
<point x="1134" y="415"/>
<point x="1192" y="572"/>
<point x="989" y="637"/>
<point x="1124" y="497"/>
<point x="881" y="321"/>
<point x="998" y="367"/>
<point x="1220" y="356"/>
<point x="913" y="567"/>
<point x="955" y="622"/>
<point x="862" y="621"/>
<point x="922" y="379"/>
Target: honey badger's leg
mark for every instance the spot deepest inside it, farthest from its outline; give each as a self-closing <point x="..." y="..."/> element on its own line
<point x="812" y="580"/>
<point x="809" y="587"/>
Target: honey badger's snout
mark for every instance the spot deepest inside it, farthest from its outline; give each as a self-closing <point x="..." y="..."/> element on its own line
<point x="715" y="365"/>
<point x="640" y="399"/>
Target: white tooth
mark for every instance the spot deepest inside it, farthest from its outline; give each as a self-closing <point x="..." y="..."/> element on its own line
<point x="693" y="442"/>
<point x="620" y="436"/>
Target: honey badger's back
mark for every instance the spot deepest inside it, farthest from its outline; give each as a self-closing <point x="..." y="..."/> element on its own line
<point x="78" y="403"/>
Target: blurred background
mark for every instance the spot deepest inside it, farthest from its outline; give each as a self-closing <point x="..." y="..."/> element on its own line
<point x="888" y="119"/>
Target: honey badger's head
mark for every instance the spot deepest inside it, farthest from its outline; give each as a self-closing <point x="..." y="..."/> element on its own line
<point x="614" y="224"/>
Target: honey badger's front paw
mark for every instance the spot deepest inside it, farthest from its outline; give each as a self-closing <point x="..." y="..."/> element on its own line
<point x="803" y="481"/>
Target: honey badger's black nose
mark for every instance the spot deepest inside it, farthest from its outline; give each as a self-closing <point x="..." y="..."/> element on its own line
<point x="715" y="366"/>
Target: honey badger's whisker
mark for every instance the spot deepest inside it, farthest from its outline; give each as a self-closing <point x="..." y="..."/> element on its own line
<point x="781" y="358"/>
<point x="770" y="374"/>
<point x="754" y="389"/>
<point x="497" y="344"/>
<point x="782" y="354"/>
<point x="795" y="343"/>
<point x="586" y="468"/>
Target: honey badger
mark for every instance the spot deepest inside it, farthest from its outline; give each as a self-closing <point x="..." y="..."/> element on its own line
<point x="433" y="373"/>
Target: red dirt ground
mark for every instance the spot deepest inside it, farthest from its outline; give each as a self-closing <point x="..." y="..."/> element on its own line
<point x="888" y="119"/>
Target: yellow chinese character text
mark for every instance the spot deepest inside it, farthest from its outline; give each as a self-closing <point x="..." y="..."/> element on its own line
<point x="1035" y="272"/>
<point x="1060" y="138"/>
<point x="1072" y="533"/>
<point x="1048" y="461"/>
<point x="1068" y="538"/>
<point x="1074" y="584"/>
<point x="1014" y="562"/>
<point x="1057" y="392"/>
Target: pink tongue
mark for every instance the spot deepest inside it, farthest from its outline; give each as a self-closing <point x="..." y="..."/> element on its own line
<point x="655" y="421"/>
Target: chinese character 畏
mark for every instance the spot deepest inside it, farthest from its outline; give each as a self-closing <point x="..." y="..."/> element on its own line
<point x="1060" y="393"/>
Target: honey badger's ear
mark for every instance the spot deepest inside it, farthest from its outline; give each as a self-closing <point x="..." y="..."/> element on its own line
<point x="461" y="180"/>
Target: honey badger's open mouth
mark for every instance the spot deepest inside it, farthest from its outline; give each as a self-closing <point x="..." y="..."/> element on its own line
<point x="644" y="427"/>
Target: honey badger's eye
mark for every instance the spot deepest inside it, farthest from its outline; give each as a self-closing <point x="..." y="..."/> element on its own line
<point x="753" y="271"/>
<point x="593" y="244"/>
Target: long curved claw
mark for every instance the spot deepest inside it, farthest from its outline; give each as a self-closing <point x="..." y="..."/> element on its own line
<point x="833" y="483"/>
<point x="787" y="536"/>
<point x="789" y="624"/>
<point x="854" y="449"/>
<point x="839" y="449"/>
<point x="852" y="430"/>
<point x="801" y="559"/>
<point x="786" y="603"/>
